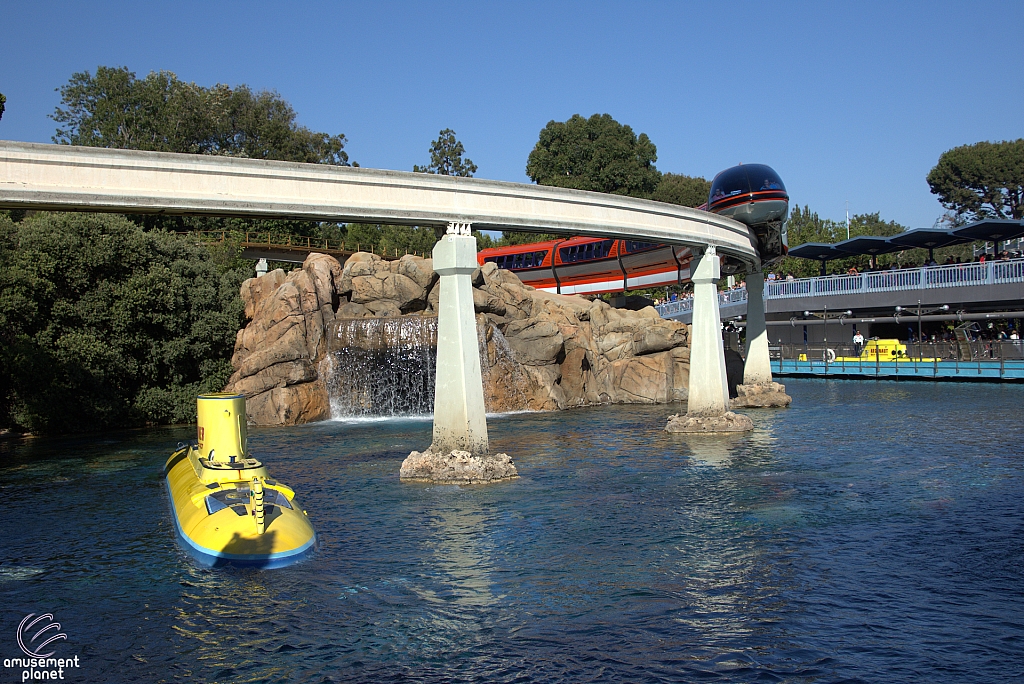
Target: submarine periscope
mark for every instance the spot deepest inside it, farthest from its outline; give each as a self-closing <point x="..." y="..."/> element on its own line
<point x="225" y="507"/>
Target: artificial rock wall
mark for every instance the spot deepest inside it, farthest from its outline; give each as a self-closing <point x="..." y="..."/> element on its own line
<point x="566" y="351"/>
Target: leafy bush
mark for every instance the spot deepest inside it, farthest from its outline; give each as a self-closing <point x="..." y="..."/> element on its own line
<point x="106" y="325"/>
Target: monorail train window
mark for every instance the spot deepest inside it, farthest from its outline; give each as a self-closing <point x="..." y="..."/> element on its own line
<point x="637" y="246"/>
<point x="586" y="252"/>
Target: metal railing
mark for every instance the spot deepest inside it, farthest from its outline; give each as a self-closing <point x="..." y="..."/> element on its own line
<point x="923" y="278"/>
<point x="683" y="306"/>
<point x="941" y="350"/>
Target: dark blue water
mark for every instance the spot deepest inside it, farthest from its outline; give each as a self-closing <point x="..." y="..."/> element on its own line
<point x="873" y="532"/>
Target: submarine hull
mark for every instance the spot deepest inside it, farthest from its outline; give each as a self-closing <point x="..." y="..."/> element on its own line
<point x="215" y="521"/>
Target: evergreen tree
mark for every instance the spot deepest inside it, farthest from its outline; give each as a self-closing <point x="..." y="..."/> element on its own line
<point x="446" y="157"/>
<point x="983" y="180"/>
<point x="103" y="324"/>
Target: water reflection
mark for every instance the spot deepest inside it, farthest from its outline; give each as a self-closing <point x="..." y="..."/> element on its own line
<point x="460" y="548"/>
<point x="714" y="449"/>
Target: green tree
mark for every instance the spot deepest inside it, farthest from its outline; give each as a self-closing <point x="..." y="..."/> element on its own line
<point x="3" y="104"/>
<point x="983" y="180"/>
<point x="446" y="157"/>
<point x="687" y="191"/>
<point x="103" y="324"/>
<point x="597" y="154"/>
<point x="161" y="113"/>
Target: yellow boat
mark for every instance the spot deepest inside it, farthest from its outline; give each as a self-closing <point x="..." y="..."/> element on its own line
<point x="226" y="509"/>
<point x="875" y="350"/>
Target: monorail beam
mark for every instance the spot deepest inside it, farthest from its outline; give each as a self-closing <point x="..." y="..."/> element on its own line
<point x="69" y="178"/>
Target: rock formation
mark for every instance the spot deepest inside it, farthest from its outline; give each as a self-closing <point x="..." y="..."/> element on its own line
<point x="727" y="422"/>
<point x="767" y="395"/>
<point x="279" y="355"/>
<point x="539" y="350"/>
<point x="457" y="467"/>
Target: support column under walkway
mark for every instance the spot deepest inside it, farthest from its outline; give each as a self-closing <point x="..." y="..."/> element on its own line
<point x="707" y="407"/>
<point x="460" y="450"/>
<point x="758" y="389"/>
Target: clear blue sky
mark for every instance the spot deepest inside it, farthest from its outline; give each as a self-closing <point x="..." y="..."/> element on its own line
<point x="847" y="101"/>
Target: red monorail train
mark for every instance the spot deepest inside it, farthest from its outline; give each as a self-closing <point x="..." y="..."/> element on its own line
<point x="583" y="265"/>
<point x="750" y="193"/>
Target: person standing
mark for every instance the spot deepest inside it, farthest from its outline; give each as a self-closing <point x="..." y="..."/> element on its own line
<point x="858" y="342"/>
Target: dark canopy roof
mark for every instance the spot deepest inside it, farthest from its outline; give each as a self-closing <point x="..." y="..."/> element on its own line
<point x="815" y="250"/>
<point x="927" y="238"/>
<point x="988" y="230"/>
<point x="991" y="230"/>
<point x="867" y="244"/>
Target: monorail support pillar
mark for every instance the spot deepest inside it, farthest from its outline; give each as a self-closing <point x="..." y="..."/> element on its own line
<point x="758" y="390"/>
<point x="459" y="452"/>
<point x="707" y="407"/>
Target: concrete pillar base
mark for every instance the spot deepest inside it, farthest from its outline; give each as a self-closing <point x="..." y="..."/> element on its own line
<point x="762" y="395"/>
<point x="726" y="422"/>
<point x="457" y="467"/>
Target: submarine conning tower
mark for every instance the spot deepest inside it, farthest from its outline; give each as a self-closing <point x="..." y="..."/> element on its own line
<point x="221" y="430"/>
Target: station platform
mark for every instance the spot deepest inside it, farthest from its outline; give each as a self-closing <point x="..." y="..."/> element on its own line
<point x="1008" y="370"/>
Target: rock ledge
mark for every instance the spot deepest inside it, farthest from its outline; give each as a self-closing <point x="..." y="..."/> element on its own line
<point x="766" y="395"/>
<point x="727" y="422"/>
<point x="457" y="467"/>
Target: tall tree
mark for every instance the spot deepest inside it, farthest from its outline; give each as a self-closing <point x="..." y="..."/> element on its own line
<point x="688" y="191"/>
<point x="115" y="109"/>
<point x="446" y="157"/>
<point x="983" y="180"/>
<point x="597" y="154"/>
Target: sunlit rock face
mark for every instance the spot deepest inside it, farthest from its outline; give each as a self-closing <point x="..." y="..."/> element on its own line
<point x="361" y="340"/>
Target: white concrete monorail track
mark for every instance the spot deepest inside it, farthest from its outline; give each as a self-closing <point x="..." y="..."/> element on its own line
<point x="66" y="178"/>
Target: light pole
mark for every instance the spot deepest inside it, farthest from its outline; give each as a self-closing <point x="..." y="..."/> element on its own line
<point x="920" y="311"/>
<point x="825" y="316"/>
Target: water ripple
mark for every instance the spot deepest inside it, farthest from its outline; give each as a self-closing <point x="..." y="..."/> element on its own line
<point x="861" y="536"/>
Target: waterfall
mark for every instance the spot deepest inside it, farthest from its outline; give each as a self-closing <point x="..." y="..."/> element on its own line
<point x="386" y="367"/>
<point x="382" y="366"/>
<point x="505" y="383"/>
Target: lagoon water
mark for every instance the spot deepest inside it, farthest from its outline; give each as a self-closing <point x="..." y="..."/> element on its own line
<point x="871" y="533"/>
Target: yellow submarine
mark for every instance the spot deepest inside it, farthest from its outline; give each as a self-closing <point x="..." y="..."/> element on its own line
<point x="875" y="350"/>
<point x="226" y="509"/>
